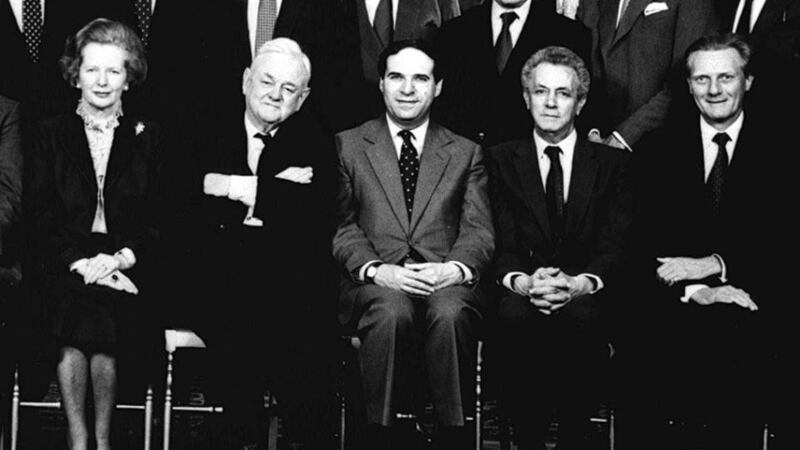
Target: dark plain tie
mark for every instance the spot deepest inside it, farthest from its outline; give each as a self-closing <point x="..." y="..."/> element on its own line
<point x="267" y="140"/>
<point x="504" y="45"/>
<point x="32" y="24"/>
<point x="383" y="23"/>
<point x="409" y="169"/>
<point x="554" y="191"/>
<point x="142" y="10"/>
<point x="716" y="179"/>
<point x="743" y="27"/>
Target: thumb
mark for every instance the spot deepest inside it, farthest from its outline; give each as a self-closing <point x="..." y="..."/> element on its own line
<point x="663" y="259"/>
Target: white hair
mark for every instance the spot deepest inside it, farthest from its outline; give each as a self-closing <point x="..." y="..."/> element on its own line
<point x="287" y="47"/>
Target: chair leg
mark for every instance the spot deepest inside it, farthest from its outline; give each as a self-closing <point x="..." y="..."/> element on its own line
<point x="168" y="402"/>
<point x="478" y="405"/>
<point x="148" y="417"/>
<point x="15" y="411"/>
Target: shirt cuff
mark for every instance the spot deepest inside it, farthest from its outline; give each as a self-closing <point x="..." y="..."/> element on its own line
<point x="466" y="271"/>
<point x="126" y="257"/>
<point x="507" y="279"/>
<point x="621" y="139"/>
<point x="689" y="291"/>
<point x="598" y="282"/>
<point x="723" y="274"/>
<point x="242" y="186"/>
<point x="362" y="272"/>
<point x="74" y="266"/>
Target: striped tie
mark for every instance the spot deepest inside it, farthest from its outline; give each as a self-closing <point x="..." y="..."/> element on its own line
<point x="265" y="23"/>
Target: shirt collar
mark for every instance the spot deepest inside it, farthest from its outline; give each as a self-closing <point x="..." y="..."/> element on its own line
<point x="707" y="132"/>
<point x="96" y="123"/>
<point x="251" y="129"/>
<point x="567" y="145"/>
<point x="521" y="10"/>
<point x="419" y="132"/>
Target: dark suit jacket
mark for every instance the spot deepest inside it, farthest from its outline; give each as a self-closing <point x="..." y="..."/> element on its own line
<point x="325" y="33"/>
<point x="293" y="245"/>
<point x="39" y="87"/>
<point x="61" y="192"/>
<point x="476" y="101"/>
<point x="10" y="176"/>
<point x="598" y="211"/>
<point x="674" y="215"/>
<point x="451" y="218"/>
<point x="633" y="64"/>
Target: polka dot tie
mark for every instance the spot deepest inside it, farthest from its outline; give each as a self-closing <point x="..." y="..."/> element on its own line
<point x="717" y="176"/>
<point x="409" y="169"/>
<point x="32" y="24"/>
<point x="142" y="10"/>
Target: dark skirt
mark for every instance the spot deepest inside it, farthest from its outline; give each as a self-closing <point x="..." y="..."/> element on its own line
<point x="94" y="318"/>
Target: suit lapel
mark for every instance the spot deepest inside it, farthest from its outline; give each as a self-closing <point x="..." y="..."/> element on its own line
<point x="769" y="16"/>
<point x="607" y="24"/>
<point x="432" y="165"/>
<point x="584" y="173"/>
<point x="382" y="156"/>
<point x="76" y="146"/>
<point x="287" y="17"/>
<point x="121" y="152"/>
<point x="527" y="166"/>
<point x="243" y="38"/>
<point x="632" y="13"/>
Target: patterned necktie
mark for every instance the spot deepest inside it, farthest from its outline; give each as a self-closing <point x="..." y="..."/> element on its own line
<point x="142" y="10"/>
<point x="383" y="22"/>
<point x="504" y="45"/>
<point x="32" y="24"/>
<point x="716" y="178"/>
<point x="265" y="22"/>
<point x="554" y="191"/>
<point x="266" y="139"/>
<point x="409" y="169"/>
<point x="743" y="27"/>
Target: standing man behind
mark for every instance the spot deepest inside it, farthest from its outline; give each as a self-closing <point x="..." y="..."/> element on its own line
<point x="265" y="220"/>
<point x="637" y="51"/>
<point x="483" y="51"/>
<point x="415" y="233"/>
<point x="707" y="187"/>
<point x="563" y="209"/>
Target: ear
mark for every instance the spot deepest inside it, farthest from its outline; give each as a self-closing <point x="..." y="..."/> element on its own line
<point x="748" y="82"/>
<point x="303" y="96"/>
<point x="245" y="80"/>
<point x="380" y="85"/>
<point x="438" y="88"/>
<point x="527" y="99"/>
<point x="579" y="107"/>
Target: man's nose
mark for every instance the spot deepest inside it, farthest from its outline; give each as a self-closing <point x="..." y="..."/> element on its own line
<point x="714" y="87"/>
<point x="407" y="87"/>
<point x="275" y="92"/>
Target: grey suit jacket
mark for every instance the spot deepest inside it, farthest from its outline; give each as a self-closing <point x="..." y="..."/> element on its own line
<point x="633" y="62"/>
<point x="451" y="217"/>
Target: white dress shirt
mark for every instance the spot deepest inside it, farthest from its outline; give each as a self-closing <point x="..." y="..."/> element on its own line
<point x="372" y="6"/>
<point x="252" y="20"/>
<point x="418" y="139"/>
<point x="516" y="26"/>
<point x="242" y="185"/>
<point x="16" y="8"/>
<point x="710" y="150"/>
<point x="567" y="146"/>
<point x="755" y="10"/>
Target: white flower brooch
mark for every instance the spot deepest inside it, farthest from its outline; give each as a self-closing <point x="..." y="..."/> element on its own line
<point x="139" y="128"/>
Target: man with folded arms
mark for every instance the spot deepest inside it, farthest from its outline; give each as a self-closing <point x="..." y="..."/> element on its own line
<point x="267" y="178"/>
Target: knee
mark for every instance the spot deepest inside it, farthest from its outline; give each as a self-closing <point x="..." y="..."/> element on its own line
<point x="391" y="310"/>
<point x="451" y="309"/>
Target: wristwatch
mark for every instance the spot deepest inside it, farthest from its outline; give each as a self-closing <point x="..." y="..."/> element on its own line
<point x="371" y="271"/>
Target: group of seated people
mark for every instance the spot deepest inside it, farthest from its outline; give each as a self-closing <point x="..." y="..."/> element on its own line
<point x="548" y="246"/>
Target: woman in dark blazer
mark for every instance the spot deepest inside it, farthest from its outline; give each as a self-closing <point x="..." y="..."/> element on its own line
<point x="93" y="205"/>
